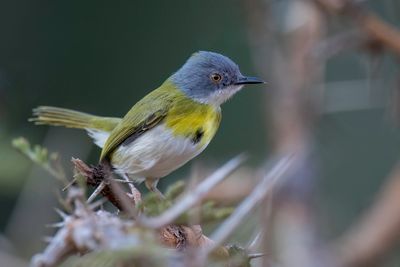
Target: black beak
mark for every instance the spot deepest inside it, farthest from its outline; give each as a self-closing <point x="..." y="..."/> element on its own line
<point x="248" y="80"/>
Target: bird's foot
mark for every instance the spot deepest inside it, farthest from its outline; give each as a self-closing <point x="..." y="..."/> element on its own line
<point x="151" y="184"/>
<point x="135" y="193"/>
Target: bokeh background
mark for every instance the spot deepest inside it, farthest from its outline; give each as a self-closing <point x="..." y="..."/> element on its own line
<point x="101" y="57"/>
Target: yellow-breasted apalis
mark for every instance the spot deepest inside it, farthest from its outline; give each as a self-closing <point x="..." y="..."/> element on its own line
<point x="166" y="128"/>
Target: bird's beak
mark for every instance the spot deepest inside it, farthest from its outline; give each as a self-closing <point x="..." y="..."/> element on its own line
<point x="248" y="80"/>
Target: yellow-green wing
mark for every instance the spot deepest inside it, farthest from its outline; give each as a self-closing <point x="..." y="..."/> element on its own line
<point x="143" y="116"/>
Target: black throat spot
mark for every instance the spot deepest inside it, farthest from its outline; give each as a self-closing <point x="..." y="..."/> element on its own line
<point x="197" y="136"/>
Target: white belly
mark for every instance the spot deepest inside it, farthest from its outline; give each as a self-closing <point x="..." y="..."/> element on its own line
<point x="154" y="154"/>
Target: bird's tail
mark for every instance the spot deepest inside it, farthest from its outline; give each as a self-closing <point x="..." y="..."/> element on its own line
<point x="45" y="115"/>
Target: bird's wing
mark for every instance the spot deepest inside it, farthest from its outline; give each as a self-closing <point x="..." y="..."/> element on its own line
<point x="144" y="115"/>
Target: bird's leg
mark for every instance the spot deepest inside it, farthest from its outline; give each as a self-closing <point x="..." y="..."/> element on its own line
<point x="151" y="184"/>
<point x="137" y="196"/>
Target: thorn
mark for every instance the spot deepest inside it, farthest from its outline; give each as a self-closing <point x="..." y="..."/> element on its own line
<point x="97" y="204"/>
<point x="253" y="243"/>
<point x="256" y="255"/>
<point x="69" y="184"/>
<point x="47" y="239"/>
<point x="100" y="188"/>
<point x="123" y="181"/>
<point x="62" y="214"/>
<point x="55" y="225"/>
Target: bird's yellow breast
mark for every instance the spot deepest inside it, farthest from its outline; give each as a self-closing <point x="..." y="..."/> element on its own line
<point x="185" y="131"/>
<point x="193" y="120"/>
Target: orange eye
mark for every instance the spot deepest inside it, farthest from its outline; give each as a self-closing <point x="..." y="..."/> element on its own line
<point x="215" y="77"/>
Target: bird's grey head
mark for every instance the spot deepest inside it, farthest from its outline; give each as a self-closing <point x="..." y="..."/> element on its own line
<point x="210" y="78"/>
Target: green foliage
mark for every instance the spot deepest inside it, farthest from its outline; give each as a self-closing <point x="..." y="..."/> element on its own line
<point x="206" y="212"/>
<point x="152" y="205"/>
<point x="37" y="154"/>
<point x="139" y="257"/>
<point x="14" y="168"/>
<point x="152" y="255"/>
<point x="238" y="256"/>
<point x="41" y="156"/>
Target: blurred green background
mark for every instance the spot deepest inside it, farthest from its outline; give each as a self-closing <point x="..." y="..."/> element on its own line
<point x="103" y="56"/>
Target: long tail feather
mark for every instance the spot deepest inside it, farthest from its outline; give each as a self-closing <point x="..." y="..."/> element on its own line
<point x="45" y="115"/>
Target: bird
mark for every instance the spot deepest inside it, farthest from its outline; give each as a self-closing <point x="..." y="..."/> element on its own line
<point x="166" y="128"/>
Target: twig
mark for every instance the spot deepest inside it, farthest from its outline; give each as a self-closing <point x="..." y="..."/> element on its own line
<point x="193" y="197"/>
<point x="288" y="56"/>
<point x="94" y="177"/>
<point x="40" y="156"/>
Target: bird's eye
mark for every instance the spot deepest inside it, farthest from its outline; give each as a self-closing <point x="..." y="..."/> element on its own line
<point x="215" y="77"/>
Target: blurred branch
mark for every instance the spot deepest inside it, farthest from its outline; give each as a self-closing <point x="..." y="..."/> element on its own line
<point x="234" y="189"/>
<point x="332" y="46"/>
<point x="273" y="176"/>
<point x="286" y="48"/>
<point x="379" y="31"/>
<point x="372" y="237"/>
<point x="378" y="231"/>
<point x="193" y="197"/>
<point x="11" y="260"/>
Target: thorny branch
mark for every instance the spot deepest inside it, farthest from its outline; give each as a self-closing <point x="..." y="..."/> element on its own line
<point x="99" y="178"/>
<point x="88" y="229"/>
